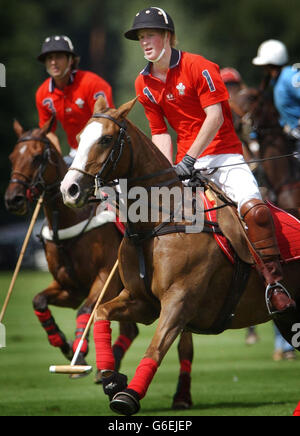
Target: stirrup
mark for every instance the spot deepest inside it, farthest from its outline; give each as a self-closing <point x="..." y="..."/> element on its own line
<point x="268" y="296"/>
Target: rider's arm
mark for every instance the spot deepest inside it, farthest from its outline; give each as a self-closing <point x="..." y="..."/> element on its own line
<point x="212" y="124"/>
<point x="164" y="142"/>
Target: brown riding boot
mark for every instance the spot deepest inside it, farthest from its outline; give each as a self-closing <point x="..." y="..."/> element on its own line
<point x="261" y="233"/>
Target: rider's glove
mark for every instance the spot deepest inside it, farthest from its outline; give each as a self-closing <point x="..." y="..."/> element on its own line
<point x="185" y="166"/>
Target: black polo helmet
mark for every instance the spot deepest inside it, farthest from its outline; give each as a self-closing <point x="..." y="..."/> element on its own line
<point x="150" y="18"/>
<point x="58" y="43"/>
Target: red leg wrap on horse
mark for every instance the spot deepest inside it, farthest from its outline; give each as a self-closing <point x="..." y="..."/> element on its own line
<point x="102" y="337"/>
<point x="185" y="366"/>
<point x="143" y="376"/>
<point x="123" y="342"/>
<point x="55" y="340"/>
<point x="43" y="316"/>
<point x="50" y="327"/>
<point x="81" y="323"/>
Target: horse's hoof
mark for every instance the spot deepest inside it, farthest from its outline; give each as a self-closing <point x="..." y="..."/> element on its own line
<point x="181" y="405"/>
<point x="114" y="384"/>
<point x="125" y="403"/>
<point x="182" y="400"/>
<point x="98" y="378"/>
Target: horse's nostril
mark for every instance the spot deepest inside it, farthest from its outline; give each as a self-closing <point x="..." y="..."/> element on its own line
<point x="73" y="190"/>
<point x="16" y="201"/>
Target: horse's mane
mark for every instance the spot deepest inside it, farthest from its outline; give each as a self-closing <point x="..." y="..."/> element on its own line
<point x="157" y="154"/>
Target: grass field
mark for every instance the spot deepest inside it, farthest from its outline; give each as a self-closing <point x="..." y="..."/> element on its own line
<point x="228" y="378"/>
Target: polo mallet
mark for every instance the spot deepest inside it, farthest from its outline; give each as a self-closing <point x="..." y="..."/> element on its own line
<point x="83" y="369"/>
<point x="17" y="269"/>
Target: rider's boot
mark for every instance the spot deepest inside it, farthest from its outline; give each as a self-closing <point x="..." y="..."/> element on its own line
<point x="261" y="233"/>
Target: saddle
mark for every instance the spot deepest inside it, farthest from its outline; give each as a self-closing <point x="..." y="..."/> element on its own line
<point x="234" y="240"/>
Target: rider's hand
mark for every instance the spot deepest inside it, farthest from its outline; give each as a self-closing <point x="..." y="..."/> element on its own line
<point x="185" y="166"/>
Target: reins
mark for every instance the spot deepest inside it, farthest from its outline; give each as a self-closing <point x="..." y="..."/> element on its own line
<point x="251" y="162"/>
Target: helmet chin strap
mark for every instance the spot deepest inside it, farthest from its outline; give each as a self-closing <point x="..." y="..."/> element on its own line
<point x="161" y="53"/>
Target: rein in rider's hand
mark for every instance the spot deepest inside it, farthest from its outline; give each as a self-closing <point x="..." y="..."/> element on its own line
<point x="186" y="166"/>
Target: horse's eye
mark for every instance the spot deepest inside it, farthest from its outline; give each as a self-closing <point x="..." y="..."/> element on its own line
<point x="37" y="159"/>
<point x="105" y="140"/>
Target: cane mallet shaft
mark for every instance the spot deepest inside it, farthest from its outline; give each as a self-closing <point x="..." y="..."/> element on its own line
<point x="23" y="249"/>
<point x="80" y="369"/>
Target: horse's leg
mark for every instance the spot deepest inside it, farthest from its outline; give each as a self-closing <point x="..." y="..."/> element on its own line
<point x="125" y="310"/>
<point x="54" y="295"/>
<point x="182" y="398"/>
<point x="82" y="319"/>
<point x="172" y="320"/>
<point x="128" y="332"/>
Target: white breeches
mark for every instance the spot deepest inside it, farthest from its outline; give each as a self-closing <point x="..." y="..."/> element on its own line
<point x="238" y="182"/>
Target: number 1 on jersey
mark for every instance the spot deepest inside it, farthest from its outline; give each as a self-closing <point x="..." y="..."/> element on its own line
<point x="209" y="80"/>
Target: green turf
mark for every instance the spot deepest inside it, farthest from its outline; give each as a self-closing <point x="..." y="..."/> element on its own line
<point x="228" y="378"/>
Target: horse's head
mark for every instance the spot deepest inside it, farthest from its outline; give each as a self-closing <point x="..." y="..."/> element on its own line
<point x="247" y="98"/>
<point x="101" y="155"/>
<point x="29" y="167"/>
<point x="265" y="116"/>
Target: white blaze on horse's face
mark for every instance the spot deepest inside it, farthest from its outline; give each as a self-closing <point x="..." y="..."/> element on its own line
<point x="90" y="135"/>
<point x="23" y="149"/>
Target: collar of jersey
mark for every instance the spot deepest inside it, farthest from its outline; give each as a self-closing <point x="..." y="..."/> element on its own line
<point x="174" y="61"/>
<point x="52" y="83"/>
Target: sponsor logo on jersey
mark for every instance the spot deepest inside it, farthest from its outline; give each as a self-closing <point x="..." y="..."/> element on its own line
<point x="181" y="88"/>
<point x="80" y="102"/>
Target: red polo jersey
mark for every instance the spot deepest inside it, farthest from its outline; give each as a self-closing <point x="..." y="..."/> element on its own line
<point x="73" y="105"/>
<point x="193" y="83"/>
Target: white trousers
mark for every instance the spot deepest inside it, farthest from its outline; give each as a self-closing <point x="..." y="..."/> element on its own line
<point x="238" y="182"/>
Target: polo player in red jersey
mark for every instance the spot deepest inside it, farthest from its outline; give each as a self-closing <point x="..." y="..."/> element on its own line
<point x="68" y="93"/>
<point x="187" y="90"/>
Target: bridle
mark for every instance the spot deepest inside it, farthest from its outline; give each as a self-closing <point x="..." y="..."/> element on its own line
<point x="114" y="156"/>
<point x="34" y="187"/>
<point x="117" y="149"/>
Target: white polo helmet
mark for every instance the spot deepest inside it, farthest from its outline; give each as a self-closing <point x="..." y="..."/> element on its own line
<point x="271" y="52"/>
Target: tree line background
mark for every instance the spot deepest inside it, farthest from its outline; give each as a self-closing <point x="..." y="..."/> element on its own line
<point x="226" y="32"/>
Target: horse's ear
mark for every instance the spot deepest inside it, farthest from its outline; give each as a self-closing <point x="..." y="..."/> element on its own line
<point x="48" y="125"/>
<point x="18" y="128"/>
<point x="100" y="105"/>
<point x="126" y="107"/>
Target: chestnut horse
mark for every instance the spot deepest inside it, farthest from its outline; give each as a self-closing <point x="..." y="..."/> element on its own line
<point x="188" y="276"/>
<point x="258" y="115"/>
<point x="81" y="264"/>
